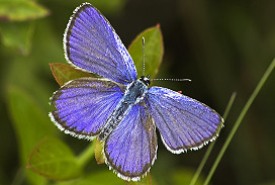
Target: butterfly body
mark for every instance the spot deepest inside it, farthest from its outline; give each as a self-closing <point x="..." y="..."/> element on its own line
<point x="135" y="93"/>
<point x="119" y="109"/>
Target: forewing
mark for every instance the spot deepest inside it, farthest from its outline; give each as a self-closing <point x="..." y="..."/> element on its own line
<point x="83" y="106"/>
<point x="91" y="44"/>
<point x="184" y="123"/>
<point x="131" y="149"/>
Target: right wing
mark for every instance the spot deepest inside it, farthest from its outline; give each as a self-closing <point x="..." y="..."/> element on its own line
<point x="91" y="44"/>
<point x="183" y="123"/>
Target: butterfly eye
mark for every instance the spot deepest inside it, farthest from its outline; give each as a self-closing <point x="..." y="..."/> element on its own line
<point x="145" y="80"/>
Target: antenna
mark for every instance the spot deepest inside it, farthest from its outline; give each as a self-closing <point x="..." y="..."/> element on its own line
<point x="156" y="79"/>
<point x="143" y="55"/>
<point x="171" y="79"/>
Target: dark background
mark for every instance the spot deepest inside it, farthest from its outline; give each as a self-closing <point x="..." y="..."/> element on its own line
<point x="223" y="46"/>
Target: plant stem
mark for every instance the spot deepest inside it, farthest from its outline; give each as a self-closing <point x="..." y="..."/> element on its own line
<point x="87" y="154"/>
<point x="211" y="146"/>
<point x="239" y="120"/>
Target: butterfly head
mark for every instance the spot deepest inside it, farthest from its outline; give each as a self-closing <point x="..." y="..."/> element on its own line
<point x="145" y="80"/>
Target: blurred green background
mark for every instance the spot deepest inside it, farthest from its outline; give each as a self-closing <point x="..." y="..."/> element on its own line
<point x="223" y="46"/>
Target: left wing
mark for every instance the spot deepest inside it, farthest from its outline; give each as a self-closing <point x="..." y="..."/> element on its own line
<point x="184" y="123"/>
<point x="82" y="106"/>
<point x="131" y="149"/>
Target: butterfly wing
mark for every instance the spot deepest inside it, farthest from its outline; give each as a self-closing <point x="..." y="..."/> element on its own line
<point x="92" y="45"/>
<point x="83" y="105"/>
<point x="184" y="123"/>
<point x="130" y="150"/>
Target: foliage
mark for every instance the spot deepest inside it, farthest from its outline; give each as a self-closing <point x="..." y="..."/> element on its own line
<point x="212" y="43"/>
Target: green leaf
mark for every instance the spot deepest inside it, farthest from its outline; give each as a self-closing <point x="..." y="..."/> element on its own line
<point x="31" y="124"/>
<point x="53" y="159"/>
<point x="153" y="51"/>
<point x="104" y="177"/>
<point x="65" y="72"/>
<point x="21" y="10"/>
<point x="17" y="35"/>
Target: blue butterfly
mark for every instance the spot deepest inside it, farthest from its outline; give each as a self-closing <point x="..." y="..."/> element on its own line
<point x="122" y="110"/>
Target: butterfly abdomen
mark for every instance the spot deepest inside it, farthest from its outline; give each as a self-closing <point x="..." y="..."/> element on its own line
<point x="135" y="93"/>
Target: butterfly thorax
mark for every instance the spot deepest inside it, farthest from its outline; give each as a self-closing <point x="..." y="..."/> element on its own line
<point x="134" y="94"/>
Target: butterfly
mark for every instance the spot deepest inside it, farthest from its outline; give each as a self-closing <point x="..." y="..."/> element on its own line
<point x="120" y="109"/>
